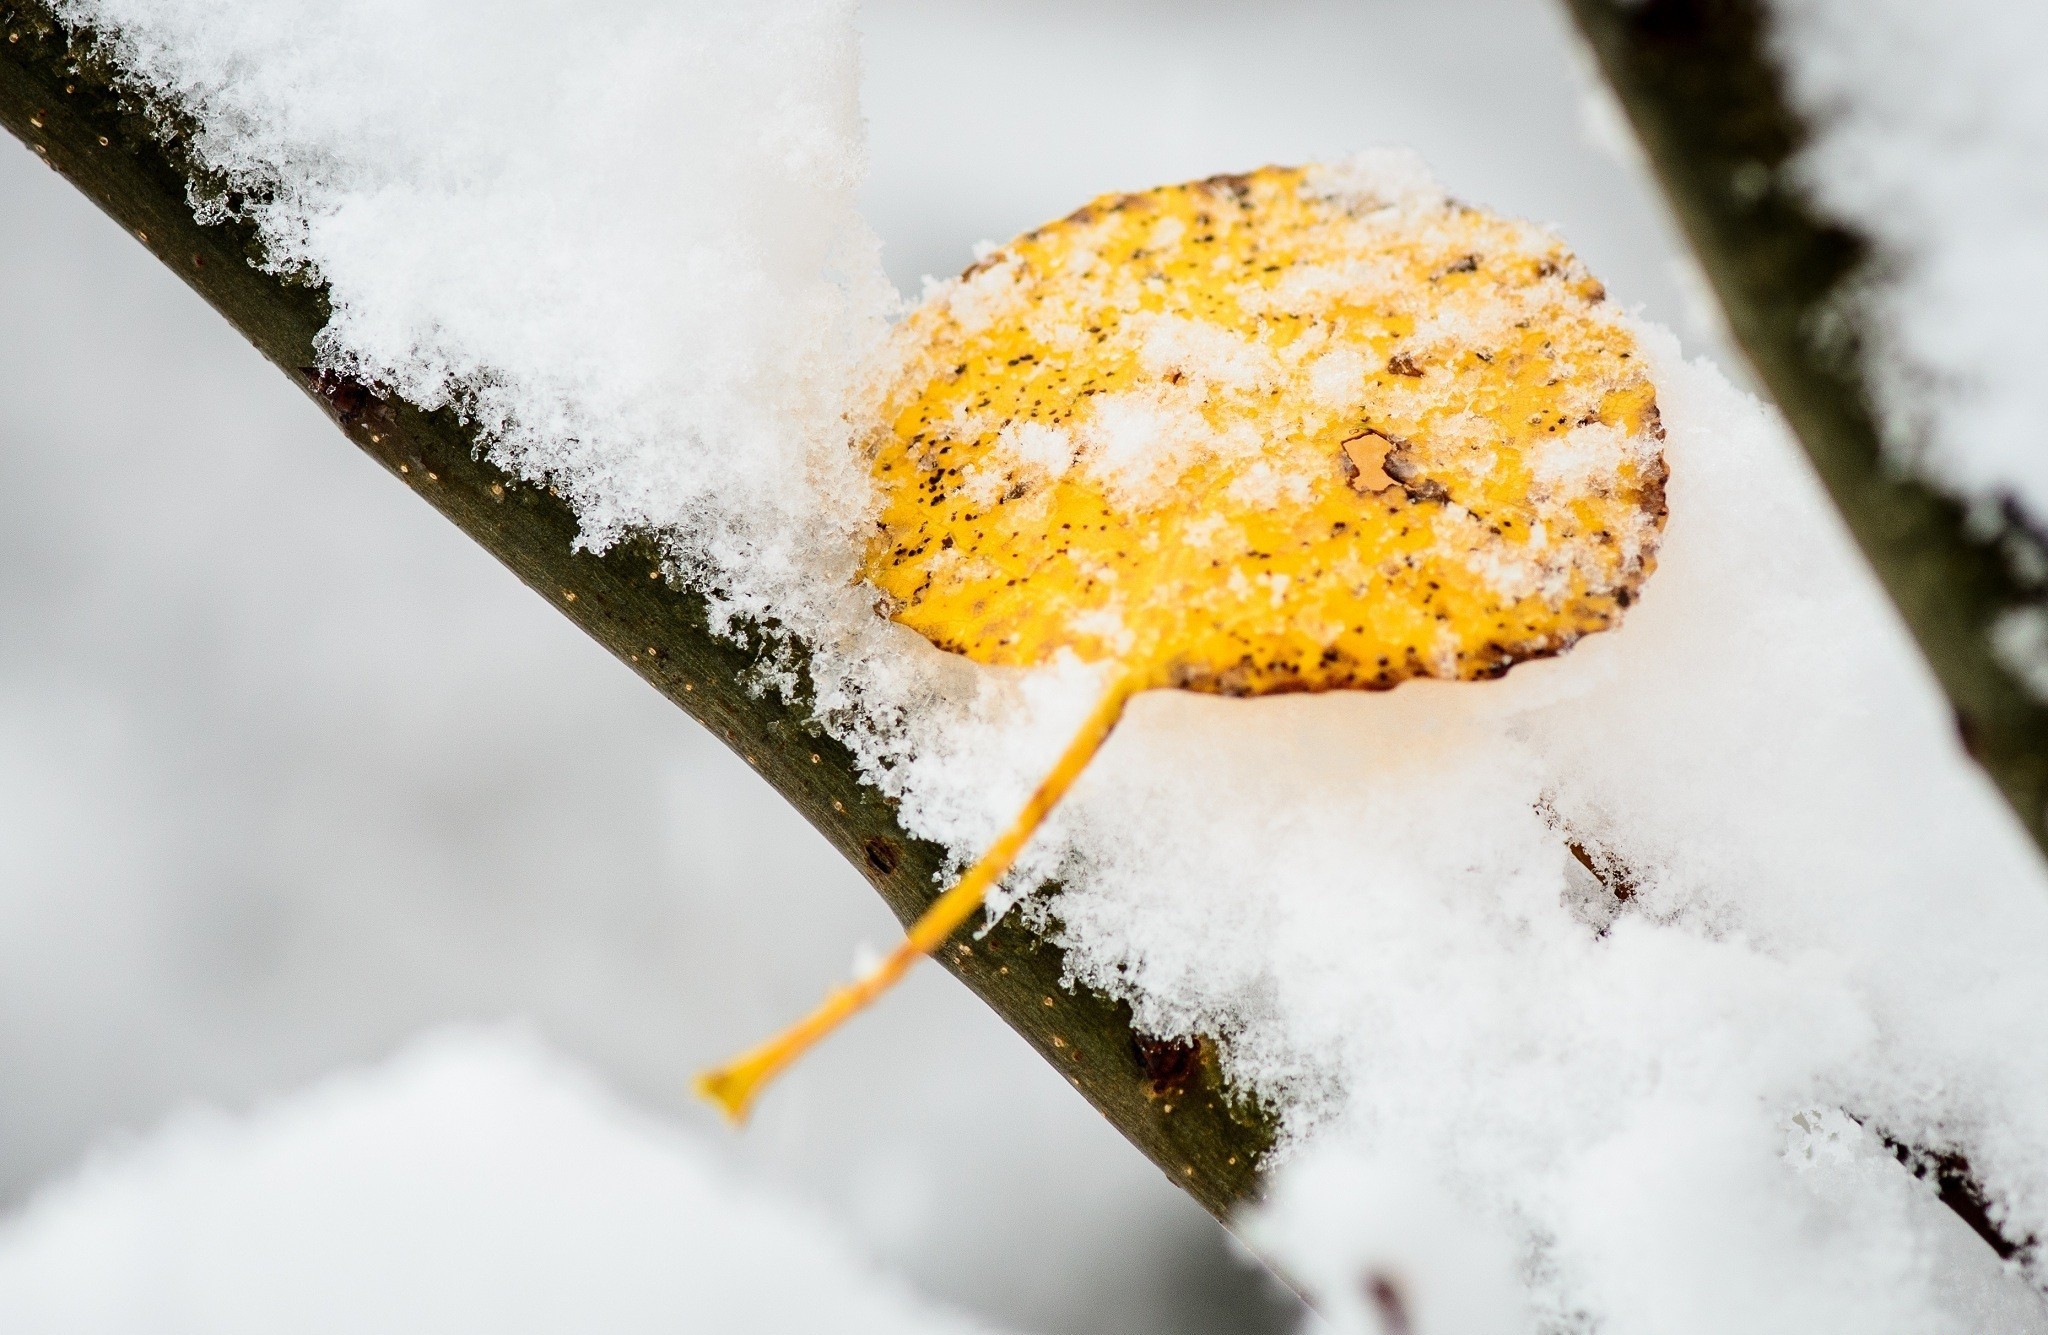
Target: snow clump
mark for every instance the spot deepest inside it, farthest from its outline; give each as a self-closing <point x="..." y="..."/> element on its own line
<point x="474" y="1182"/>
<point x="622" y="236"/>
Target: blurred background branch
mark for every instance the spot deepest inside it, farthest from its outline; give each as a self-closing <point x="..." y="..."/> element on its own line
<point x="1710" y="108"/>
<point x="1166" y="1099"/>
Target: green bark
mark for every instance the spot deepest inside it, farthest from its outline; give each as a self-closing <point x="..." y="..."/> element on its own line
<point x="1697" y="80"/>
<point x="1168" y="1100"/>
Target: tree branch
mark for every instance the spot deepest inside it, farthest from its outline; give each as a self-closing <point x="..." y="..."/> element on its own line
<point x="1168" y="1100"/>
<point x="1710" y="107"/>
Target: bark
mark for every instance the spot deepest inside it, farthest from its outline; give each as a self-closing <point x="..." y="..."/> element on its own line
<point x="1698" y="81"/>
<point x="1167" y="1099"/>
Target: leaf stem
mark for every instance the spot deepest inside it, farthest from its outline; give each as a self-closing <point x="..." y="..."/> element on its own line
<point x="734" y="1086"/>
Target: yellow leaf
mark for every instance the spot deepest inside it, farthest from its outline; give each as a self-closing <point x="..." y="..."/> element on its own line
<point x="1253" y="434"/>
<point x="1244" y="436"/>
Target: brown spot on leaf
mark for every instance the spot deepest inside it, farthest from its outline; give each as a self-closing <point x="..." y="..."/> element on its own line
<point x="1401" y="466"/>
<point x="1238" y="184"/>
<point x="986" y="262"/>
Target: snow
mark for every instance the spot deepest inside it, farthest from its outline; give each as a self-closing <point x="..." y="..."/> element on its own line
<point x="632" y="256"/>
<point x="1373" y="901"/>
<point x="1931" y="124"/>
<point x="1413" y="1262"/>
<point x="635" y="259"/>
<point x="473" y="1182"/>
<point x="290" y="769"/>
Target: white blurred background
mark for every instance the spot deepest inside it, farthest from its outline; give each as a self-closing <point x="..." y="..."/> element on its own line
<point x="289" y="769"/>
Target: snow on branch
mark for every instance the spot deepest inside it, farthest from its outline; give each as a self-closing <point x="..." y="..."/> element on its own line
<point x="130" y="155"/>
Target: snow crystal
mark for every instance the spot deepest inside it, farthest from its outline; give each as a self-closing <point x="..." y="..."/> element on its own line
<point x="1135" y="443"/>
<point x="473" y="1183"/>
<point x="1337" y="377"/>
<point x="1390" y="178"/>
<point x="1208" y="354"/>
<point x="1931" y="129"/>
<point x="1575" y="957"/>
<point x="1036" y="445"/>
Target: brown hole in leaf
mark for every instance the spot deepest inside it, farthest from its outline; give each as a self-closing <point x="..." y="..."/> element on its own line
<point x="1363" y="458"/>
